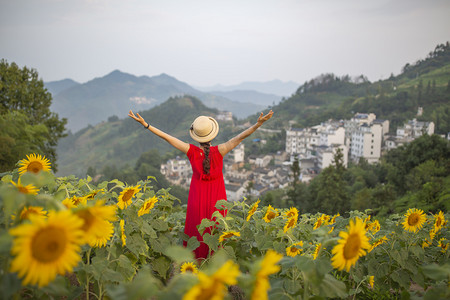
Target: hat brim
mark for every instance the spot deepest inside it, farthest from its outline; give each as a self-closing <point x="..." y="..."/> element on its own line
<point x="210" y="136"/>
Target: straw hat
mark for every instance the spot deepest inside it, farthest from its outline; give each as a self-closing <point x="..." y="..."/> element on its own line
<point x="204" y="129"/>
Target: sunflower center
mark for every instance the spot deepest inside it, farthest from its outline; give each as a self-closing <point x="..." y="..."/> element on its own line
<point x="23" y="189"/>
<point x="352" y="246"/>
<point x="438" y="222"/>
<point x="294" y="249"/>
<point x="76" y="201"/>
<point x="148" y="205"/>
<point x="270" y="215"/>
<point x="228" y="235"/>
<point x="35" y="167"/>
<point x="48" y="244"/>
<point x="413" y="219"/>
<point x="128" y="195"/>
<point x="88" y="218"/>
<point x="189" y="269"/>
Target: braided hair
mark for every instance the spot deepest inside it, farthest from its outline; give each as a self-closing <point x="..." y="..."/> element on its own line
<point x="206" y="160"/>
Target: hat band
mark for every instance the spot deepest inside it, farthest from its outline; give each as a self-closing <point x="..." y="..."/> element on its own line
<point x="207" y="133"/>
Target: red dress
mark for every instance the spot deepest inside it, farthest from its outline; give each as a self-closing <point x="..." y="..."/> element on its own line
<point x="204" y="192"/>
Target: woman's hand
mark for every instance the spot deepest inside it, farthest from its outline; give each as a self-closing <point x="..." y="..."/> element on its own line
<point x="137" y="118"/>
<point x="263" y="118"/>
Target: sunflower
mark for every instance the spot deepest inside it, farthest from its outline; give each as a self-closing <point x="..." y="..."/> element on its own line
<point x="292" y="213"/>
<point x="74" y="201"/>
<point x="228" y="234"/>
<point x="97" y="226"/>
<point x="371" y="281"/>
<point x="443" y="244"/>
<point x="252" y="210"/>
<point x="317" y="250"/>
<point x="46" y="247"/>
<point x="189" y="267"/>
<point x="322" y="220"/>
<point x="439" y="221"/>
<point x="374" y="226"/>
<point x="123" y="237"/>
<point x="290" y="223"/>
<point x="25" y="189"/>
<point x="271" y="213"/>
<point x="126" y="195"/>
<point x="30" y="211"/>
<point x="377" y="243"/>
<point x="294" y="250"/>
<point x="268" y="266"/>
<point x="213" y="287"/>
<point x="92" y="194"/>
<point x="34" y="164"/>
<point x="414" y="220"/>
<point x="333" y="219"/>
<point x="147" y="206"/>
<point x="426" y="244"/>
<point x="432" y="234"/>
<point x="351" y="246"/>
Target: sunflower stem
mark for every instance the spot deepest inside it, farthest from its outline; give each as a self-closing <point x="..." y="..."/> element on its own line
<point x="357" y="287"/>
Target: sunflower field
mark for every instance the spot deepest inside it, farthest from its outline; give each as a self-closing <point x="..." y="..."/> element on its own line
<point x="65" y="237"/>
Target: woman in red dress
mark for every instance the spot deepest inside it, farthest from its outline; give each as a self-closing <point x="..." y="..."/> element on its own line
<point x="207" y="184"/>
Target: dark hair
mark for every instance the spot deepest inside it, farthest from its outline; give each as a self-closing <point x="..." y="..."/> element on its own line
<point x="206" y="161"/>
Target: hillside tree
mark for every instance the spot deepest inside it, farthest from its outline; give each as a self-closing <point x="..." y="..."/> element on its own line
<point x="27" y="124"/>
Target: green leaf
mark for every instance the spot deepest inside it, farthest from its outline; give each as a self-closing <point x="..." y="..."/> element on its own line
<point x="137" y="245"/>
<point x="230" y="252"/>
<point x="437" y="272"/>
<point x="417" y="251"/>
<point x="402" y="278"/>
<point x="112" y="276"/>
<point x="159" y="225"/>
<point x="161" y="265"/>
<point x="224" y="204"/>
<point x="205" y="224"/>
<point x="332" y="288"/>
<point x="291" y="286"/>
<point x="211" y="240"/>
<point x="193" y="243"/>
<point x="126" y="267"/>
<point x="147" y="229"/>
<point x="179" y="254"/>
<point x="97" y="267"/>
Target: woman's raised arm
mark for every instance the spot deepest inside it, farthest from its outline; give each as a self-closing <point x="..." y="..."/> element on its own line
<point x="231" y="144"/>
<point x="180" y="145"/>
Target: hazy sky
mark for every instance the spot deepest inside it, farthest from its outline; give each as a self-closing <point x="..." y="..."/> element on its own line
<point x="207" y="42"/>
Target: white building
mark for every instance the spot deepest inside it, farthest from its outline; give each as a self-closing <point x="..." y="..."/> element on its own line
<point x="332" y="134"/>
<point x="224" y="116"/>
<point x="325" y="155"/>
<point x="300" y="140"/>
<point x="235" y="192"/>
<point x="366" y="142"/>
<point x="238" y="153"/>
<point x="177" y="171"/>
<point x="414" y="129"/>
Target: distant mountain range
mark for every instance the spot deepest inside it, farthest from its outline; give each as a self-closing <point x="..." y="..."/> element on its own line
<point x="118" y="92"/>
<point x="274" y="87"/>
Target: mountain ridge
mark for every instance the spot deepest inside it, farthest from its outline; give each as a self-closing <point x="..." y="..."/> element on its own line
<point x="117" y="92"/>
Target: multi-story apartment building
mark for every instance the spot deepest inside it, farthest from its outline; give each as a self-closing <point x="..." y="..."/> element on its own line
<point x="366" y="142"/>
<point x="414" y="129"/>
<point x="300" y="140"/>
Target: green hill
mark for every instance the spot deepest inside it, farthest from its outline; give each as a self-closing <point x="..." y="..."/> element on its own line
<point x="425" y="83"/>
<point x="120" y="142"/>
